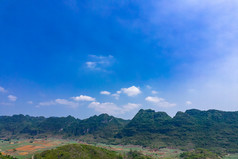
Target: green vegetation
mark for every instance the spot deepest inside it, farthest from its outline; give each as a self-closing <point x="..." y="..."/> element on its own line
<point x="199" y="154"/>
<point x="6" y="157"/>
<point x="231" y="156"/>
<point x="135" y="155"/>
<point x="100" y="127"/>
<point x="214" y="130"/>
<point x="81" y="151"/>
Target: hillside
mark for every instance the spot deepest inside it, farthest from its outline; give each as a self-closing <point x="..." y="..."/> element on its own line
<point x="81" y="151"/>
<point x="67" y="127"/>
<point x="6" y="157"/>
<point x="214" y="130"/>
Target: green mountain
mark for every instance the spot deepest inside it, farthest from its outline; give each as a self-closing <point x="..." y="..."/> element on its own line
<point x="81" y="151"/>
<point x="214" y="130"/>
<point x="103" y="126"/>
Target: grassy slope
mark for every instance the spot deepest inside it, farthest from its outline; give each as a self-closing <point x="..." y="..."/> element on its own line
<point x="82" y="151"/>
<point x="78" y="151"/>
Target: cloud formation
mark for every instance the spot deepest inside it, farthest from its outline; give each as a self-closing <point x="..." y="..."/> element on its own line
<point x="2" y="90"/>
<point x="112" y="108"/>
<point x="59" y="101"/>
<point x="99" y="63"/>
<point x="67" y="103"/>
<point x="48" y="103"/>
<point x="160" y="102"/>
<point x="131" y="91"/>
<point x="12" y="98"/>
<point x="116" y="96"/>
<point x="83" y="98"/>
<point x="188" y="102"/>
<point x="105" y="93"/>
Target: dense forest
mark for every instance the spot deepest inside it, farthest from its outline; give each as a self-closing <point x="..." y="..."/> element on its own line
<point x="214" y="130"/>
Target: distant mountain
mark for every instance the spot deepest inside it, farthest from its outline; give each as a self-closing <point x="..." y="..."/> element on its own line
<point x="214" y="130"/>
<point x="103" y="126"/>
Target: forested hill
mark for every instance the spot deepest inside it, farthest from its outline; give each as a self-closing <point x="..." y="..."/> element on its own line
<point x="103" y="126"/>
<point x="212" y="129"/>
<point x="82" y="151"/>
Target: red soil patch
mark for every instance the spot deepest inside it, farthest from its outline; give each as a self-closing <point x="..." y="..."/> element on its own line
<point x="162" y="153"/>
<point x="29" y="148"/>
<point x="117" y="149"/>
<point x="23" y="153"/>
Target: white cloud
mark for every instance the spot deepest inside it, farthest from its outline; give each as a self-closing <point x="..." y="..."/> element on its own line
<point x="116" y="96"/>
<point x="99" y="63"/>
<point x="29" y="102"/>
<point x="130" y="106"/>
<point x="111" y="108"/>
<point x="160" y="102"/>
<point x="131" y="91"/>
<point x="105" y="93"/>
<point x="83" y="98"/>
<point x="91" y="65"/>
<point x="188" y="102"/>
<point x="59" y="101"/>
<point x="154" y="99"/>
<point x="49" y="103"/>
<point x="12" y="98"/>
<point x="154" y="92"/>
<point x="67" y="103"/>
<point x="118" y="92"/>
<point x="3" y="90"/>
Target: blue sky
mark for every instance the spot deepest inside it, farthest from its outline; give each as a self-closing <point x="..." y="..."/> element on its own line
<point x="80" y="58"/>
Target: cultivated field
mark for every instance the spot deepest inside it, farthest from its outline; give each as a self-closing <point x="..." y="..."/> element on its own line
<point x="23" y="149"/>
<point x="26" y="148"/>
<point x="155" y="153"/>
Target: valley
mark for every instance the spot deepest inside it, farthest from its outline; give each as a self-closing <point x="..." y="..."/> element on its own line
<point x="154" y="134"/>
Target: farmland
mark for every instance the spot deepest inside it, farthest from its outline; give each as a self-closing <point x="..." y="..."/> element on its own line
<point x="25" y="148"/>
<point x="155" y="153"/>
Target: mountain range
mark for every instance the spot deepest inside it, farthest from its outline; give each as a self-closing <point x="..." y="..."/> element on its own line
<point x="213" y="129"/>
